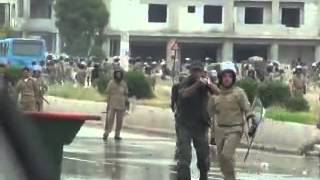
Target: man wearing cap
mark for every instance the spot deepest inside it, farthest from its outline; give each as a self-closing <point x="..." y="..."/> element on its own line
<point x="231" y="108"/>
<point x="27" y="89"/>
<point x="299" y="84"/>
<point x="41" y="85"/>
<point x="192" y="121"/>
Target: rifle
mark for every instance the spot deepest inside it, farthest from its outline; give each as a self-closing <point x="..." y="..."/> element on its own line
<point x="45" y="100"/>
<point x="253" y="129"/>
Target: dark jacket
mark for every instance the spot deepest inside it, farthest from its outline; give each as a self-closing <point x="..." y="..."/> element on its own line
<point x="192" y="111"/>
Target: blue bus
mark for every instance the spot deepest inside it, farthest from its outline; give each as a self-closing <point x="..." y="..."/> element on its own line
<point x="19" y="52"/>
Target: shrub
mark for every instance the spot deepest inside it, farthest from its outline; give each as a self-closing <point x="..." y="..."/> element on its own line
<point x="297" y="103"/>
<point x="250" y="87"/>
<point x="138" y="85"/>
<point x="281" y="114"/>
<point x="14" y="74"/>
<point x="273" y="93"/>
<point x="69" y="91"/>
<point x="102" y="82"/>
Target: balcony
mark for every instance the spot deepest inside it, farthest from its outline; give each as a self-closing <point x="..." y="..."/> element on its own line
<point x="37" y="24"/>
<point x="275" y="30"/>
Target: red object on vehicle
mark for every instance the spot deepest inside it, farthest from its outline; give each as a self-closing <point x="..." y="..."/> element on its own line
<point x="62" y="116"/>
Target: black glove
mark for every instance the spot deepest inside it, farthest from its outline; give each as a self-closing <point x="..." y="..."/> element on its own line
<point x="253" y="130"/>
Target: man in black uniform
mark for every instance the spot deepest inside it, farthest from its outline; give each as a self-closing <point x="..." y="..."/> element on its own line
<point x="192" y="121"/>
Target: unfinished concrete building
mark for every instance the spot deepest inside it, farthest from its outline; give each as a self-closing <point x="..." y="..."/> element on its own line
<point x="223" y="30"/>
<point x="35" y="18"/>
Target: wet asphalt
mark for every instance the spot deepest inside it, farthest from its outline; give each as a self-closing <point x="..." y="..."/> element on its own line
<point x="144" y="156"/>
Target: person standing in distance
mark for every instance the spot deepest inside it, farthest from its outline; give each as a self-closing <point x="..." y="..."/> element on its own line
<point x="27" y="89"/>
<point x="117" y="96"/>
<point x="192" y="121"/>
<point x="41" y="85"/>
<point x="232" y="110"/>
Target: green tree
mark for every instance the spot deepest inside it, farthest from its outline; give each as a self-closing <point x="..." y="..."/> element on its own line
<point x="81" y="24"/>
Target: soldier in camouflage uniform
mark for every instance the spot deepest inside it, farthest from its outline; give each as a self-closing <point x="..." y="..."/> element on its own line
<point x="52" y="72"/>
<point x="60" y="71"/>
<point x="230" y="107"/>
<point x="42" y="87"/>
<point x="299" y="82"/>
<point x="82" y="74"/>
<point x="192" y="121"/>
<point x="27" y="89"/>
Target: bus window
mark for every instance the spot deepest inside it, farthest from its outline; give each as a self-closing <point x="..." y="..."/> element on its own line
<point x="1" y="49"/>
<point x="5" y="49"/>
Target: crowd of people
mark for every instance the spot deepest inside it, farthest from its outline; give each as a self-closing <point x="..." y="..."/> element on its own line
<point x="209" y="100"/>
<point x="201" y="101"/>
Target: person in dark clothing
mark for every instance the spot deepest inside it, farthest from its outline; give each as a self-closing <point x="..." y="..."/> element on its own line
<point x="174" y="101"/>
<point x="193" y="122"/>
<point x="95" y="75"/>
<point x="6" y="83"/>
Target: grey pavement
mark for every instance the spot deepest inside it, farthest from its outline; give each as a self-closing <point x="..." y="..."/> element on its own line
<point x="144" y="156"/>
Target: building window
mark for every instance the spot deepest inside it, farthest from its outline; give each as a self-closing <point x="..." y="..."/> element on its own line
<point x="40" y="9"/>
<point x="20" y="8"/>
<point x="254" y="15"/>
<point x="291" y="17"/>
<point x="157" y="13"/>
<point x="191" y="9"/>
<point x="13" y="11"/>
<point x="212" y="14"/>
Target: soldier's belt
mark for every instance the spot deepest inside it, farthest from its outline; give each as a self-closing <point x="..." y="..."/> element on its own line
<point x="230" y="125"/>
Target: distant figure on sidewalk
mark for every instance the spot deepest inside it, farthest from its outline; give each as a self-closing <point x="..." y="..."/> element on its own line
<point x="117" y="96"/>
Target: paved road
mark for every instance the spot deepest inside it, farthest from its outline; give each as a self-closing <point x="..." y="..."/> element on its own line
<point x="143" y="156"/>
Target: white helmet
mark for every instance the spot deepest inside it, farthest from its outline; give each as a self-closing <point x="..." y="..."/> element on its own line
<point x="227" y="67"/>
<point x="213" y="73"/>
<point x="37" y="68"/>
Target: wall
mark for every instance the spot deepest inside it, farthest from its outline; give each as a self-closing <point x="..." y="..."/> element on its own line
<point x="289" y="53"/>
<point x="131" y="15"/>
<point x="193" y="22"/>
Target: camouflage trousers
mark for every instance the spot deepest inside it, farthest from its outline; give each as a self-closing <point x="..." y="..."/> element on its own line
<point x="199" y="138"/>
<point x="28" y="104"/>
<point x="227" y="142"/>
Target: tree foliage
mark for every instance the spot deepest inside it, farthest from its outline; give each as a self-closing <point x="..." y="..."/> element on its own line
<point x="81" y="24"/>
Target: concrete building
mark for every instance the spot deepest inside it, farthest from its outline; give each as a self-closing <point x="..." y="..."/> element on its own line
<point x="223" y="30"/>
<point x="7" y="13"/>
<point x="36" y="18"/>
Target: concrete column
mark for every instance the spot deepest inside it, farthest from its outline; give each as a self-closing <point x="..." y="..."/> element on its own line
<point x="124" y="50"/>
<point x="24" y="34"/>
<point x="26" y="8"/>
<point x="173" y="16"/>
<point x="274" y="52"/>
<point x="171" y="53"/>
<point x="317" y="53"/>
<point x="124" y="44"/>
<point x="228" y="16"/>
<point x="7" y="15"/>
<point x="58" y="44"/>
<point x="275" y="11"/>
<point x="227" y="51"/>
<point x="106" y="47"/>
<point x="219" y="53"/>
